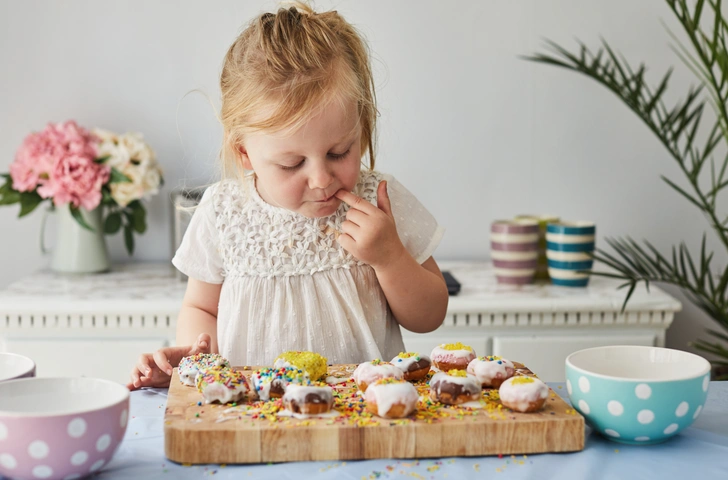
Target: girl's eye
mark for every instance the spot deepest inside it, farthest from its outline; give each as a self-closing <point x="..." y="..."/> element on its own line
<point x="337" y="156"/>
<point x="293" y="167"/>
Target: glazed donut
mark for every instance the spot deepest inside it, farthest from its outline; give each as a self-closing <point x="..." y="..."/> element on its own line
<point x="222" y="385"/>
<point x="310" y="362"/>
<point x="272" y="382"/>
<point x="414" y="366"/>
<point x="449" y="356"/>
<point x="523" y="394"/>
<point x="369" y="372"/>
<point x="454" y="387"/>
<point x="491" y="371"/>
<point x="311" y="399"/>
<point x="190" y="366"/>
<point x="391" y="398"/>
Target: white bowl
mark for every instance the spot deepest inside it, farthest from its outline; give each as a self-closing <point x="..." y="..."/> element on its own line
<point x="14" y="366"/>
<point x="60" y="427"/>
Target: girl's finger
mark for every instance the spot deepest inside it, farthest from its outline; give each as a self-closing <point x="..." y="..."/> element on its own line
<point x="350" y="228"/>
<point x="202" y="345"/>
<point x="356" y="216"/>
<point x="143" y="364"/>
<point x="355" y="202"/>
<point x="347" y="242"/>
<point x="134" y="379"/>
<point x="160" y="358"/>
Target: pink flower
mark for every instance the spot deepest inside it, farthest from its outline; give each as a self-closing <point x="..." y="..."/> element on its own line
<point x="76" y="179"/>
<point x="60" y="162"/>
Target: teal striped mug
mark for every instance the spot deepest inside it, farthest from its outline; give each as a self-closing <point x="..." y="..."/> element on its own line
<point x="569" y="250"/>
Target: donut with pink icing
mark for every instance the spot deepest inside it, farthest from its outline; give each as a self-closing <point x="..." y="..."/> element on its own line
<point x="454" y="387"/>
<point x="391" y="398"/>
<point x="491" y="371"/>
<point x="523" y="394"/>
<point x="452" y="356"/>
<point x="370" y="372"/>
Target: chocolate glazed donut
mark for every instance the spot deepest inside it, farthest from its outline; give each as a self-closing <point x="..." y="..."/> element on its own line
<point x="418" y="370"/>
<point x="306" y="400"/>
<point x="451" y="392"/>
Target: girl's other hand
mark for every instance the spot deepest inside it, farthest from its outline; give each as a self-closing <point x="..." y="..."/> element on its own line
<point x="369" y="233"/>
<point x="155" y="369"/>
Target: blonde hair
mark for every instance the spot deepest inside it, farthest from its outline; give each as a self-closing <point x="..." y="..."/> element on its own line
<point x="295" y="61"/>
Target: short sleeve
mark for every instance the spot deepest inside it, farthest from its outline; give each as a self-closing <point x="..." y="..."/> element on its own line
<point x="417" y="228"/>
<point x="199" y="255"/>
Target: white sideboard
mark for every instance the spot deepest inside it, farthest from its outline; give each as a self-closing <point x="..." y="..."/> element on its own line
<point x="97" y="325"/>
<point x="541" y="324"/>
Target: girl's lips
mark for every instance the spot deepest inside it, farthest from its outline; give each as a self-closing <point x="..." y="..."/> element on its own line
<point x="326" y="199"/>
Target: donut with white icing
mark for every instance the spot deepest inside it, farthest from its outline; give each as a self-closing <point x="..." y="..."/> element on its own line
<point x="190" y="366"/>
<point x="523" y="394"/>
<point x="370" y="372"/>
<point x="310" y="362"/>
<point x="491" y="371"/>
<point x="414" y="366"/>
<point x="312" y="399"/>
<point x="454" y="387"/>
<point x="222" y="385"/>
<point x="391" y="398"/>
<point x="452" y="356"/>
<point x="272" y="382"/>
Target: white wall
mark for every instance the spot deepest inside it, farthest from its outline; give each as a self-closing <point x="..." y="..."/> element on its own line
<point x="476" y="132"/>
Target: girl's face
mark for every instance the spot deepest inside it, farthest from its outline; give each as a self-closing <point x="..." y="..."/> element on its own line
<point x="302" y="169"/>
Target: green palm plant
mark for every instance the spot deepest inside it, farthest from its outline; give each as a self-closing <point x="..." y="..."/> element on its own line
<point x="679" y="128"/>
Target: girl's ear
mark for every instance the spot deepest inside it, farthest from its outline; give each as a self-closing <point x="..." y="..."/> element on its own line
<point x="244" y="158"/>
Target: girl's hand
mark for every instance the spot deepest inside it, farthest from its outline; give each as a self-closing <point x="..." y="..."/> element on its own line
<point x="369" y="233"/>
<point x="155" y="369"/>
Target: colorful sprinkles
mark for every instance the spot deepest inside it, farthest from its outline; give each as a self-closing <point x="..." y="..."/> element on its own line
<point x="224" y="376"/>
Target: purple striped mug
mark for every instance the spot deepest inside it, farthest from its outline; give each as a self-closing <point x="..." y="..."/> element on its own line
<point x="514" y="250"/>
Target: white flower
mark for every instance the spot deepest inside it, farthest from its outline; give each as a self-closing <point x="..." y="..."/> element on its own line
<point x="126" y="192"/>
<point x="130" y="155"/>
<point x="152" y="179"/>
<point x="105" y="135"/>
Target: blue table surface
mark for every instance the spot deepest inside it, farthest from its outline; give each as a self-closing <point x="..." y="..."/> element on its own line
<point x="699" y="452"/>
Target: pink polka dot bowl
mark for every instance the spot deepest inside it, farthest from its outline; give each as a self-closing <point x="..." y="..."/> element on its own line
<point x="60" y="428"/>
<point x="637" y="395"/>
<point x="14" y="366"/>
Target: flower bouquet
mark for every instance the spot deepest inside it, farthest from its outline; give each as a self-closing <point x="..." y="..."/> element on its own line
<point x="78" y="169"/>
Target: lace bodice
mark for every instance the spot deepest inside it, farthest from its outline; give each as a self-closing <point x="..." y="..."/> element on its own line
<point x="256" y="238"/>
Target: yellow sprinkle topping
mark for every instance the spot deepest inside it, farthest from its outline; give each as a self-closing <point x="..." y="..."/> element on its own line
<point x="312" y="362"/>
<point x="407" y="355"/>
<point x="521" y="380"/>
<point x="456" y="346"/>
<point x="388" y="381"/>
<point x="457" y="373"/>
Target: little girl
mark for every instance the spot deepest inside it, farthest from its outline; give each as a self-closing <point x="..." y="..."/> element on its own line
<point x="310" y="251"/>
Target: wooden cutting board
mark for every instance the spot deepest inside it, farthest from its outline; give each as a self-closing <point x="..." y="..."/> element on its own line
<point x="239" y="434"/>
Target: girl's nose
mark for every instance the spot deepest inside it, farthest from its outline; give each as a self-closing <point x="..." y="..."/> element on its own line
<point x="320" y="178"/>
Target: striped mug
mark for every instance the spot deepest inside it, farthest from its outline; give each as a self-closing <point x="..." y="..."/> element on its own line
<point x="542" y="267"/>
<point x="514" y="250"/>
<point x="569" y="249"/>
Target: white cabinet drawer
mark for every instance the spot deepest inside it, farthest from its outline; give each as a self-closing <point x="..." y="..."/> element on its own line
<point x="546" y="354"/>
<point x="69" y="357"/>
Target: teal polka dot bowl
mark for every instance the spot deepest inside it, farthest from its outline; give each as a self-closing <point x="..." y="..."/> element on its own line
<point x="637" y="395"/>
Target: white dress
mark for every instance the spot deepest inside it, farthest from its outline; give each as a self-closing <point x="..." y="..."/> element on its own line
<point x="287" y="284"/>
